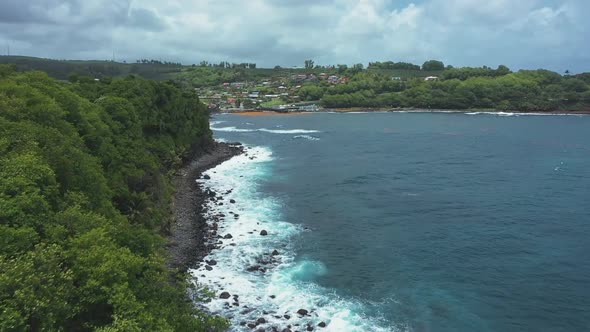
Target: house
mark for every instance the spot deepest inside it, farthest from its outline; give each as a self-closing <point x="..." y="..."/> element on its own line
<point x="431" y="78"/>
<point x="396" y="78"/>
<point x="254" y="94"/>
<point x="333" y="79"/>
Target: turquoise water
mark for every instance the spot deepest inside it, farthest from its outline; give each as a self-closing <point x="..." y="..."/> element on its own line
<point x="409" y="221"/>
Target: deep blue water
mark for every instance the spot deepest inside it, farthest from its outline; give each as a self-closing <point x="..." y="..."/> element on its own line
<point x="436" y="222"/>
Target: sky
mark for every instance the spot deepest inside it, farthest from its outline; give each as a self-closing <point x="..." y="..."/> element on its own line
<point x="522" y="34"/>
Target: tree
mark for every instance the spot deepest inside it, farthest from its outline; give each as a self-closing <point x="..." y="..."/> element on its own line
<point x="309" y="64"/>
<point x="433" y="65"/>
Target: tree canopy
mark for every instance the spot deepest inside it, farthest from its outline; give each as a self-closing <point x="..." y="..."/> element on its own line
<point x="84" y="197"/>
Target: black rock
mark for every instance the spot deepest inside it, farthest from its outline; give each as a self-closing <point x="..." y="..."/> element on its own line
<point x="251" y="325"/>
<point x="224" y="295"/>
<point x="206" y="177"/>
<point x="287" y="330"/>
<point x="228" y="236"/>
<point x="263" y="232"/>
<point x="232" y="201"/>
<point x="275" y="253"/>
<point x="246" y="311"/>
<point x="309" y="328"/>
<point x="302" y="312"/>
<point x="253" y="268"/>
<point x="212" y="262"/>
<point x="287" y="316"/>
<point x="322" y="324"/>
<point x="261" y="320"/>
<point x="208" y="268"/>
<point x="272" y="297"/>
<point x="261" y="330"/>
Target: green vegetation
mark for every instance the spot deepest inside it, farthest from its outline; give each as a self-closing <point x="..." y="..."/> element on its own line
<point x="85" y="193"/>
<point x="62" y="69"/>
<point x="381" y="84"/>
<point x="466" y="88"/>
<point x="273" y="103"/>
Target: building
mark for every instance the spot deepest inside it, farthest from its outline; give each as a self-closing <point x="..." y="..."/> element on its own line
<point x="431" y="78"/>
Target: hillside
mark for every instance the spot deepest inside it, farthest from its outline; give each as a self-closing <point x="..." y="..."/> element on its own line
<point x="85" y="196"/>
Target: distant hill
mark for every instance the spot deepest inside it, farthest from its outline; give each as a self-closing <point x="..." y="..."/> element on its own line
<point x="61" y="69"/>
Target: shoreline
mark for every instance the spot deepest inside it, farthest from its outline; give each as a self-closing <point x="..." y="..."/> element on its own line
<point x="244" y="249"/>
<point x="187" y="243"/>
<point x="401" y="110"/>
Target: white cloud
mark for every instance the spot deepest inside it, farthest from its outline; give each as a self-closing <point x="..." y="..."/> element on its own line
<point x="270" y="32"/>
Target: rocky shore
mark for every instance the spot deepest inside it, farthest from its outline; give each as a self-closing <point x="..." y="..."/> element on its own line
<point x="199" y="229"/>
<point x="186" y="243"/>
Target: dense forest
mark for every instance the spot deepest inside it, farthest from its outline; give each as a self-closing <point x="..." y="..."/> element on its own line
<point x="85" y="196"/>
<point x="459" y="88"/>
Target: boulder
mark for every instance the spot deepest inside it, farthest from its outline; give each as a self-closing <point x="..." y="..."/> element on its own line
<point x="261" y="320"/>
<point x="302" y="312"/>
<point x="287" y="316"/>
<point x="275" y="253"/>
<point x="212" y="262"/>
<point x="208" y="268"/>
<point x="251" y="325"/>
<point x="224" y="295"/>
<point x="263" y="232"/>
<point x="322" y="324"/>
<point x="206" y="177"/>
<point x="232" y="201"/>
<point x="228" y="236"/>
<point x="309" y="328"/>
<point x="253" y="268"/>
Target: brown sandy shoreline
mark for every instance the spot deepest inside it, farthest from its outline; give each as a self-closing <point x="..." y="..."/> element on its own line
<point x="186" y="242"/>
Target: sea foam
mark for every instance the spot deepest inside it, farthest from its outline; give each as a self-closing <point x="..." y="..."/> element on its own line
<point x="272" y="131"/>
<point x="287" y="284"/>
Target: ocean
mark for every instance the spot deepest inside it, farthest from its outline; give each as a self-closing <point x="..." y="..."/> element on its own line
<point x="403" y="222"/>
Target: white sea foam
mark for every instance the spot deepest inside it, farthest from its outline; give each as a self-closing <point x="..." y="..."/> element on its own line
<point x="521" y="114"/>
<point x="308" y="137"/>
<point x="232" y="129"/>
<point x="290" y="282"/>
<point x="272" y="131"/>
<point x="288" y="131"/>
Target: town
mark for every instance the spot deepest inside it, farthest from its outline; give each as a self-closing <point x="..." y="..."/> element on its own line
<point x="279" y="94"/>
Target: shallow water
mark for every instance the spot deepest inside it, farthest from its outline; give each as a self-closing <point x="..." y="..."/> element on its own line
<point x="406" y="221"/>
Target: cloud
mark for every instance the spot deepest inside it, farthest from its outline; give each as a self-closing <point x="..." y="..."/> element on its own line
<point x="520" y="34"/>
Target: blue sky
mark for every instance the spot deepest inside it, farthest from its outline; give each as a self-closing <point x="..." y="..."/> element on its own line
<point x="530" y="34"/>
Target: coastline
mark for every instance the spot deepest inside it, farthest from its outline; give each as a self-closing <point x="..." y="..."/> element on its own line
<point x="253" y="112"/>
<point x="186" y="240"/>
